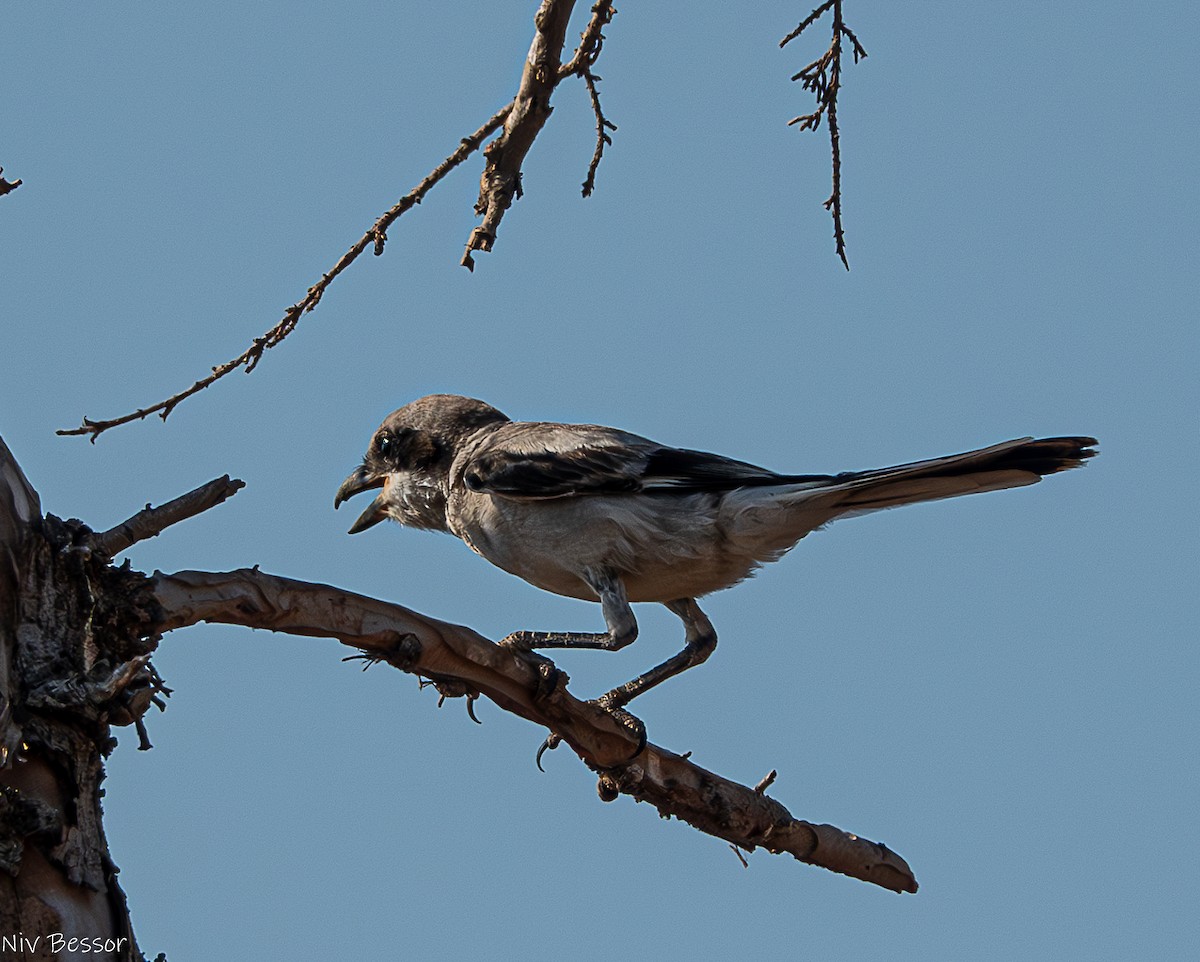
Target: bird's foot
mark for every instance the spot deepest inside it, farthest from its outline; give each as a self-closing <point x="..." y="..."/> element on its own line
<point x="549" y="676"/>
<point x="612" y="703"/>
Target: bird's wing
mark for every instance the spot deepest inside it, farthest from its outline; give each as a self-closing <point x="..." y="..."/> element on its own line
<point x="532" y="460"/>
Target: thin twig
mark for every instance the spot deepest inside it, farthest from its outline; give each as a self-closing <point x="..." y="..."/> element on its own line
<point x="591" y="43"/>
<point x="375" y="237"/>
<point x="807" y="22"/>
<point x="150" y="522"/>
<point x="602" y="138"/>
<point x="823" y="77"/>
<point x="591" y="40"/>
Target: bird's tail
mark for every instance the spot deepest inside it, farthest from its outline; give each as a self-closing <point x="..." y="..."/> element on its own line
<point x="1010" y="464"/>
<point x="771" y="520"/>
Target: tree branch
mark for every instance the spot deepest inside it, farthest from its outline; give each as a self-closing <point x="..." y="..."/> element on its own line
<point x="824" y="78"/>
<point x="151" y="522"/>
<point x="461" y="662"/>
<point x="591" y="40"/>
<point x="7" y="185"/>
<point x="500" y="183"/>
<point x="602" y="138"/>
<point x="376" y="237"/>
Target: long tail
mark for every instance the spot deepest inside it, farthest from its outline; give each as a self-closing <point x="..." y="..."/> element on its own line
<point x="772" y="519"/>
<point x="1007" y="465"/>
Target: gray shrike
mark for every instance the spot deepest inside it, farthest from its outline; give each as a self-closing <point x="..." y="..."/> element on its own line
<point x="595" y="513"/>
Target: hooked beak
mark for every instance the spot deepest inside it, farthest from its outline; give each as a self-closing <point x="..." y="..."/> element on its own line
<point x="363" y="479"/>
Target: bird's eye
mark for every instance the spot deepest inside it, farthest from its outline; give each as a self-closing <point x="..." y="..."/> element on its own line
<point x="383" y="444"/>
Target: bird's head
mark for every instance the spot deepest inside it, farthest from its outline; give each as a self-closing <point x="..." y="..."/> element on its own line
<point x="409" y="458"/>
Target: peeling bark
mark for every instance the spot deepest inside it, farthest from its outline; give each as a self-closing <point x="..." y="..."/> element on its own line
<point x="65" y="639"/>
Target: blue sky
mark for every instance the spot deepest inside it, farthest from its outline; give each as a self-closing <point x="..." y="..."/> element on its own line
<point x="1001" y="688"/>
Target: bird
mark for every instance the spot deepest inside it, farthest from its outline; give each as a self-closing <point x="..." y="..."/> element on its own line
<point x="607" y="516"/>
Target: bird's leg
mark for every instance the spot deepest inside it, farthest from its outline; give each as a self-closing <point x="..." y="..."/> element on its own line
<point x="699" y="642"/>
<point x="622" y="630"/>
<point x="622" y="626"/>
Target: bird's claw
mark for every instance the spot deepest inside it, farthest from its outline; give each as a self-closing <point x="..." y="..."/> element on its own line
<point x="549" y="676"/>
<point x="631" y="723"/>
<point x="553" y="740"/>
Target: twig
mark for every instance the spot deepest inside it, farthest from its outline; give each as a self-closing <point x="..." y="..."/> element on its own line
<point x="8" y="185"/>
<point x="460" y="661"/>
<point x="602" y="138"/>
<point x="766" y="782"/>
<point x="807" y="22"/>
<point x="151" y="522"/>
<point x="823" y="78"/>
<point x="376" y="237"/>
<point x="591" y="43"/>
<point x="591" y="40"/>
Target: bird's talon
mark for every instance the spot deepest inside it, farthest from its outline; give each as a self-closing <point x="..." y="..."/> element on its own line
<point x="471" y="708"/>
<point x="553" y="740"/>
<point x="631" y="723"/>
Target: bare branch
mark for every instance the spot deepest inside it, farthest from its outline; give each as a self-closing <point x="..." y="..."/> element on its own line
<point x="807" y="22"/>
<point x="823" y="77"/>
<point x="461" y="662"/>
<point x="151" y="522"/>
<point x="500" y="183"/>
<point x="602" y="138"/>
<point x="376" y="237"/>
<point x="8" y="185"/>
<point x="591" y="40"/>
<point x="767" y="781"/>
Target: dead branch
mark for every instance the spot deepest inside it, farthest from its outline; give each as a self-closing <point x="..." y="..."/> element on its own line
<point x="376" y="237"/>
<point x="500" y="183"/>
<point x="522" y="120"/>
<point x="151" y="522"/>
<point x="7" y="185"/>
<point x="591" y="40"/>
<point x="823" y="78"/>
<point x="602" y="139"/>
<point x="461" y="662"/>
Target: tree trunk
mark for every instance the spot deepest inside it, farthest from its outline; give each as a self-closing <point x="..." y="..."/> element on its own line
<point x="67" y="672"/>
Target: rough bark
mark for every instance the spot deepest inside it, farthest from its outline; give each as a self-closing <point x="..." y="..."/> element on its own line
<point x="70" y="665"/>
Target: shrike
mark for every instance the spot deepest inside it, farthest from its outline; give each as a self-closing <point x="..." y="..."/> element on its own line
<point x="595" y="513"/>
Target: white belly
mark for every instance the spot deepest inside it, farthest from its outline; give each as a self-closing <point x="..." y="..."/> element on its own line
<point x="662" y="548"/>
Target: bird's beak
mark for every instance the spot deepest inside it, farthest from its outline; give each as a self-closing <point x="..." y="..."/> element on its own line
<point x="363" y="479"/>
